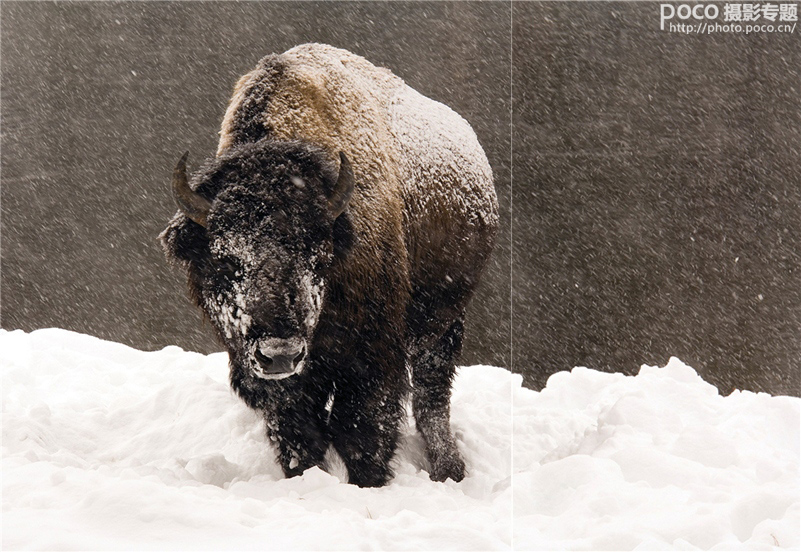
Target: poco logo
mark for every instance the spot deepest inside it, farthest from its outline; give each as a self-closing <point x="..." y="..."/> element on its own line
<point x="686" y="11"/>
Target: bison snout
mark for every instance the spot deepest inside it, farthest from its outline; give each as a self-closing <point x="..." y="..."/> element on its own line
<point x="280" y="358"/>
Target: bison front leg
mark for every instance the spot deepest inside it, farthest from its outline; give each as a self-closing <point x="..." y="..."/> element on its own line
<point x="365" y="421"/>
<point x="300" y="433"/>
<point x="432" y="374"/>
<point x="366" y="438"/>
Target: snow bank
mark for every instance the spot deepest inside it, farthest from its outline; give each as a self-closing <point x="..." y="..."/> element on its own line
<point x="654" y="462"/>
<point x="106" y="447"/>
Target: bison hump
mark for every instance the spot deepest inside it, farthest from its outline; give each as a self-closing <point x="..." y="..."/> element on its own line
<point x="442" y="164"/>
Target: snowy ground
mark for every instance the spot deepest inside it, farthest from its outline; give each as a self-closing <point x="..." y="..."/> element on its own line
<point x="106" y="447"/>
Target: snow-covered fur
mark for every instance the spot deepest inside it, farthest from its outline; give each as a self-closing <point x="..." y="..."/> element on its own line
<point x="354" y="298"/>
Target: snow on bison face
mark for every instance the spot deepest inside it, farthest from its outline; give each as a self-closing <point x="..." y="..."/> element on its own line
<point x="268" y="245"/>
<point x="263" y="291"/>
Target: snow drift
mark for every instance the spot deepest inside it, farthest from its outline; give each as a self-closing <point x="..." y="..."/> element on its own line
<point x="107" y="447"/>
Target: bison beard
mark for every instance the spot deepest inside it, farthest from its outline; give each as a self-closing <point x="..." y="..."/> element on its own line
<point x="327" y="283"/>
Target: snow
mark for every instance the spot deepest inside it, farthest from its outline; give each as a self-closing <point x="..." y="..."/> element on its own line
<point x="657" y="461"/>
<point x="107" y="448"/>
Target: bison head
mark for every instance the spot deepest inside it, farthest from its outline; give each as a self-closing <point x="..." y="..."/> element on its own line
<point x="256" y="233"/>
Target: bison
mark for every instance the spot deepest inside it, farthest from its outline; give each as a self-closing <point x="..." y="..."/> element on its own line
<point x="334" y="242"/>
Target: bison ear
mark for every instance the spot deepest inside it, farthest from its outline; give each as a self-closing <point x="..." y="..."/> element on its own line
<point x="191" y="203"/>
<point x="343" y="190"/>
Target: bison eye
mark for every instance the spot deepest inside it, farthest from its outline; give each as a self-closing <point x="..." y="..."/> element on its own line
<point x="227" y="268"/>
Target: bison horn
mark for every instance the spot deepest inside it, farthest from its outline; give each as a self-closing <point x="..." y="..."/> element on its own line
<point x="343" y="190"/>
<point x="191" y="203"/>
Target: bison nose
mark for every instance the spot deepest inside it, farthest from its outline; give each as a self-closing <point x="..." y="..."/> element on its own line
<point x="280" y="357"/>
<point x="279" y="364"/>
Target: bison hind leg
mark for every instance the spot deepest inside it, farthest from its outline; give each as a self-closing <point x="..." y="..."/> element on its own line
<point x="432" y="374"/>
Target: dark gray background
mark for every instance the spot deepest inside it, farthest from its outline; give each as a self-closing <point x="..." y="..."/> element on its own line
<point x="655" y="190"/>
<point x="656" y="196"/>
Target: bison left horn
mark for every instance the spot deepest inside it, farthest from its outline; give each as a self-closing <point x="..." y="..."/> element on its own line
<point x="343" y="190"/>
<point x="191" y="203"/>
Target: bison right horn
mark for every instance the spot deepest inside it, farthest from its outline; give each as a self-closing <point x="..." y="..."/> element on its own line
<point x="191" y="203"/>
<point x="343" y="190"/>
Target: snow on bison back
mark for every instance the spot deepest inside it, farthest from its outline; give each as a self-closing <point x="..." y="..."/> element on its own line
<point x="333" y="242"/>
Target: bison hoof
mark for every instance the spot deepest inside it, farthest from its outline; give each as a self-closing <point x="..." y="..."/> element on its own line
<point x="376" y="477"/>
<point x="450" y="467"/>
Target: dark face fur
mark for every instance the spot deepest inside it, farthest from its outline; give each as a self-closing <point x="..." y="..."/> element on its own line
<point x="258" y="267"/>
